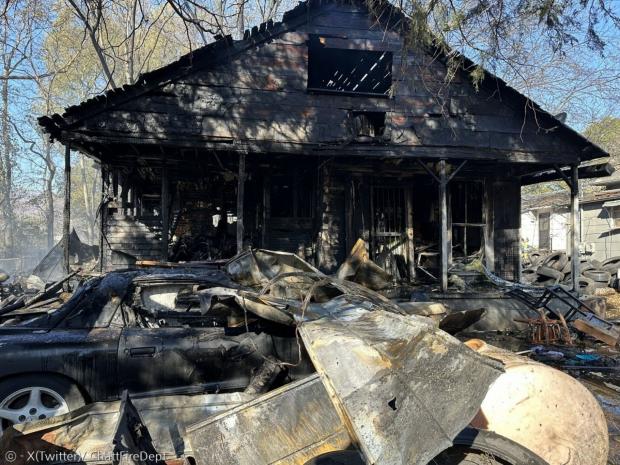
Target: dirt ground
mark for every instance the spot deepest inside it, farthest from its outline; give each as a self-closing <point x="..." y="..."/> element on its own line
<point x="606" y="389"/>
<point x="608" y="395"/>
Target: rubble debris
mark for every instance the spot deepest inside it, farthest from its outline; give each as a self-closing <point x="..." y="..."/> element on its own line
<point x="84" y="256"/>
<point x="23" y="301"/>
<point x="457" y="281"/>
<point x="308" y="418"/>
<point x="455" y="322"/>
<point x="359" y="268"/>
<point x="264" y="377"/>
<point x="433" y="310"/>
<point x="567" y="308"/>
<point x="255" y="267"/>
<point x="377" y="366"/>
<point x="544" y="330"/>
<point x="543" y="353"/>
<point x="608" y="335"/>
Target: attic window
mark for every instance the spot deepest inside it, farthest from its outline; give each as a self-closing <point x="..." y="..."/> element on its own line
<point x="347" y="71"/>
<point x="367" y="125"/>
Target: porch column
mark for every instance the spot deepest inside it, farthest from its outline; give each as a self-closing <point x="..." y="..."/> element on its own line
<point x="443" y="208"/>
<point x="240" y="197"/>
<point x="103" y="217"/>
<point x="165" y="222"/>
<point x="575" y="225"/>
<point x="266" y="210"/>
<point x="66" y="216"/>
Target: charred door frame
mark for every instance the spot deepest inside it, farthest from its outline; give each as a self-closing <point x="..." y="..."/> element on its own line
<point x="407" y="233"/>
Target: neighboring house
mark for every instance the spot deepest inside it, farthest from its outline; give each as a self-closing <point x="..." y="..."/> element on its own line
<point x="545" y="220"/>
<point x="312" y="132"/>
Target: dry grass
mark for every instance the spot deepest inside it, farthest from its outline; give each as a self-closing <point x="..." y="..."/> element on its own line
<point x="613" y="302"/>
<point x="604" y="291"/>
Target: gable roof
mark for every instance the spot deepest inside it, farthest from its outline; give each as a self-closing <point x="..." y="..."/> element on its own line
<point x="224" y="48"/>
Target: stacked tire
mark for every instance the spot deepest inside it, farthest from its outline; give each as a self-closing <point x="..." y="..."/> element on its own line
<point x="555" y="268"/>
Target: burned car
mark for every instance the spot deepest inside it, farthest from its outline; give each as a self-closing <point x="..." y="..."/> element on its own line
<point x="145" y="331"/>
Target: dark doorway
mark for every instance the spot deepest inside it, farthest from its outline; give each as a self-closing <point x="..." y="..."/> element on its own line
<point x="389" y="244"/>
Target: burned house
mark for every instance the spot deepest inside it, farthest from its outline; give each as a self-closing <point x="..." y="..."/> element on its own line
<point x="312" y="132"/>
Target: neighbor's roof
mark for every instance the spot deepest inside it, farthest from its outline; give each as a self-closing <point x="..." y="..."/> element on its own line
<point x="224" y="48"/>
<point x="561" y="199"/>
<point x="608" y="181"/>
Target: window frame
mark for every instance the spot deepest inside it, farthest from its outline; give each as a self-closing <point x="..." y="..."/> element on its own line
<point x="316" y="43"/>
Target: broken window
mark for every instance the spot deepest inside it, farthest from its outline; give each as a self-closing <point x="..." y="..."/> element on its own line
<point x="346" y="71"/>
<point x="367" y="125"/>
<point x="467" y="217"/>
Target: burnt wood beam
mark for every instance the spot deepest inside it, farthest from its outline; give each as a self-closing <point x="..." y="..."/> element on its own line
<point x="410" y="234"/>
<point x="445" y="241"/>
<point x="428" y="170"/>
<point x="66" y="216"/>
<point x="165" y="195"/>
<point x="575" y="233"/>
<point x="598" y="170"/>
<point x="240" y="198"/>
<point x="443" y="208"/>
<point x="455" y="172"/>
<point x="563" y="176"/>
<point x="436" y="152"/>
<point x="102" y="210"/>
<point x="266" y="210"/>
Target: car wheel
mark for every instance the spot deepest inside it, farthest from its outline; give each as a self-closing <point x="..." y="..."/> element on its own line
<point x="34" y="397"/>
<point x="478" y="447"/>
<point x="341" y="457"/>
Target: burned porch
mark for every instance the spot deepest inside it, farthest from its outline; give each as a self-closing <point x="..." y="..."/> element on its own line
<point x="311" y="133"/>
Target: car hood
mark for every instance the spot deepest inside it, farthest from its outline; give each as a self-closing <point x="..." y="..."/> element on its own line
<point x="404" y="388"/>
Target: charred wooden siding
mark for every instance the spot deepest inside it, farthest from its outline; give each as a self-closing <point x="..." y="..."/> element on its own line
<point x="129" y="235"/>
<point x="260" y="101"/>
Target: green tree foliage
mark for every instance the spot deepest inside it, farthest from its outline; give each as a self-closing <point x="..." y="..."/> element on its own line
<point x="606" y="133"/>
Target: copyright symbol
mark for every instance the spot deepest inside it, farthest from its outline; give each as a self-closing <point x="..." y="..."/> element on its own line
<point x="10" y="456"/>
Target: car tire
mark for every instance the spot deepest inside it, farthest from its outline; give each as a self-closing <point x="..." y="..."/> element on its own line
<point x="479" y="447"/>
<point x="585" y="266"/>
<point x="341" y="457"/>
<point x="529" y="275"/>
<point x="596" y="264"/>
<point x="535" y="258"/>
<point x="550" y="273"/>
<point x="586" y="285"/>
<point x="600" y="277"/>
<point x="555" y="260"/>
<point x="471" y="447"/>
<point x="568" y="267"/>
<point x="36" y="396"/>
<point x="613" y="262"/>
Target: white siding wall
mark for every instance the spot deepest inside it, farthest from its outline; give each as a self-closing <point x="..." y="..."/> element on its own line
<point x="529" y="229"/>
<point x="559" y="230"/>
<point x="596" y="229"/>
